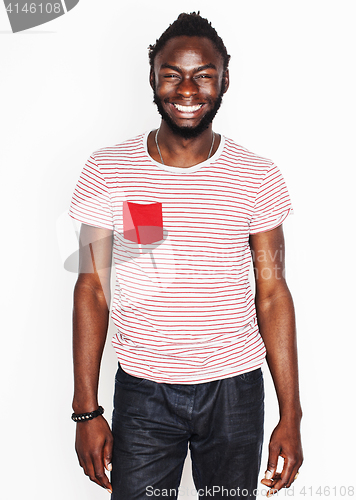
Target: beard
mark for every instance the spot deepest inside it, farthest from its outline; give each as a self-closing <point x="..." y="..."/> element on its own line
<point x="189" y="132"/>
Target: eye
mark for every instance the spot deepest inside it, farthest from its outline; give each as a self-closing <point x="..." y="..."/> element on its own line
<point x="203" y="76"/>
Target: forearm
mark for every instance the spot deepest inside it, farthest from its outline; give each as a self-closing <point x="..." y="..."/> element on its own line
<point x="275" y="315"/>
<point x="276" y="321"/>
<point x="90" y="324"/>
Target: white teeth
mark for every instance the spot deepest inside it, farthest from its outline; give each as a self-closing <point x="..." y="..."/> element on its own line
<point x="187" y="109"/>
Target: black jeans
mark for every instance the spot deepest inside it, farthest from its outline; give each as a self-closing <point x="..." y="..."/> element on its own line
<point x="153" y="423"/>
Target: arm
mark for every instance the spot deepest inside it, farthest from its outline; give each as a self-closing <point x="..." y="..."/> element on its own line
<point x="90" y="323"/>
<point x="275" y="315"/>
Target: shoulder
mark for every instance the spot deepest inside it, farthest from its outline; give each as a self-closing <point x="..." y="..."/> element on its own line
<point x="244" y="158"/>
<point x="126" y="148"/>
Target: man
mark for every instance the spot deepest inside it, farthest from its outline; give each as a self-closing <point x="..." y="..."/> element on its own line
<point x="183" y="209"/>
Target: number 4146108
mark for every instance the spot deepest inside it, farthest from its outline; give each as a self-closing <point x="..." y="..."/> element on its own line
<point x="326" y="491"/>
<point x="31" y="8"/>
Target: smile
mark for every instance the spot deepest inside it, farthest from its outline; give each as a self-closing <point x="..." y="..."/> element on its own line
<point x="187" y="109"/>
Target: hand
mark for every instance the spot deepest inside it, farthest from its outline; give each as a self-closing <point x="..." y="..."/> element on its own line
<point x="93" y="444"/>
<point x="285" y="442"/>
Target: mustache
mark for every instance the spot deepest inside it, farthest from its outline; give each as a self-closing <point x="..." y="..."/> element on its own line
<point x="188" y="132"/>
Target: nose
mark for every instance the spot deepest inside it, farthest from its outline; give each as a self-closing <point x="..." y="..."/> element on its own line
<point x="187" y="87"/>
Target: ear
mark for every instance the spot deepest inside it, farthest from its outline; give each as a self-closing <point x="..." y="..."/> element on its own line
<point x="152" y="79"/>
<point x="226" y="80"/>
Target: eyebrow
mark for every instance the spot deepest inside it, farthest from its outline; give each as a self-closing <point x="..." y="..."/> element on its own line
<point x="196" y="70"/>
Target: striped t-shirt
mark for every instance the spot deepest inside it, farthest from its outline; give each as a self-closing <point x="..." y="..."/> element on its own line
<point x="183" y="304"/>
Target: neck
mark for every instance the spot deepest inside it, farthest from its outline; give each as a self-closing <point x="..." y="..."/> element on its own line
<point x="178" y="151"/>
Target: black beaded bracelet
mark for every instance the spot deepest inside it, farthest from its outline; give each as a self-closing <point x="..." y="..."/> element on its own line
<point x="81" y="417"/>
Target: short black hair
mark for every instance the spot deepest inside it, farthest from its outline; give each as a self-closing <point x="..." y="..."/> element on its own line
<point x="189" y="25"/>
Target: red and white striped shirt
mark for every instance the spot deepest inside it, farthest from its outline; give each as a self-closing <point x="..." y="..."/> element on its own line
<point x="183" y="304"/>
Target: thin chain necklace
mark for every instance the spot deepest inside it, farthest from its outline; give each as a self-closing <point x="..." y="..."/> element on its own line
<point x="159" y="151"/>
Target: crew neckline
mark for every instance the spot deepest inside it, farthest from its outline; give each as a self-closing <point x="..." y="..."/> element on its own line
<point x="185" y="170"/>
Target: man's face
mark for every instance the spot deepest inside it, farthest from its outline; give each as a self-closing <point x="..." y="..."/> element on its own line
<point x="188" y="83"/>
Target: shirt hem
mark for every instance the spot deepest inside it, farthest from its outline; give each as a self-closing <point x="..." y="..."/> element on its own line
<point x="222" y="375"/>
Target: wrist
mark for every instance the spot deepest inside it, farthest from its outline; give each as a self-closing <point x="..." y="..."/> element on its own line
<point x="84" y="417"/>
<point x="292" y="416"/>
<point x="84" y="405"/>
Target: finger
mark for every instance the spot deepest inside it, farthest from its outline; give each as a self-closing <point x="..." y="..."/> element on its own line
<point x="285" y="476"/>
<point x="270" y="482"/>
<point x="271" y="492"/>
<point x="107" y="452"/>
<point x="295" y="471"/>
<point x="87" y="462"/>
<point x="271" y="466"/>
<point x="290" y="470"/>
<point x="292" y="476"/>
<point x="272" y="462"/>
<point x="81" y="463"/>
<point x="89" y="471"/>
<point x="99" y="472"/>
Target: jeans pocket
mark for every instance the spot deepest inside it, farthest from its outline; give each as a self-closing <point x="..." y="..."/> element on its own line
<point x="251" y="377"/>
<point x="125" y="378"/>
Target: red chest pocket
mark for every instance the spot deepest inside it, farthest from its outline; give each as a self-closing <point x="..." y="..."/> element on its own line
<point x="143" y="223"/>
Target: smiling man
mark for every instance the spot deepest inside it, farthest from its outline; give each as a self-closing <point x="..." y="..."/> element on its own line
<point x="182" y="209"/>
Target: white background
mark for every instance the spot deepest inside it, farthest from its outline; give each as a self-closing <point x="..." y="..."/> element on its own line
<point x="80" y="83"/>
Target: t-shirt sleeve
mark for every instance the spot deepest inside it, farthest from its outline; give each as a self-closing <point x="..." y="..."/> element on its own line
<point x="91" y="202"/>
<point x="272" y="204"/>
